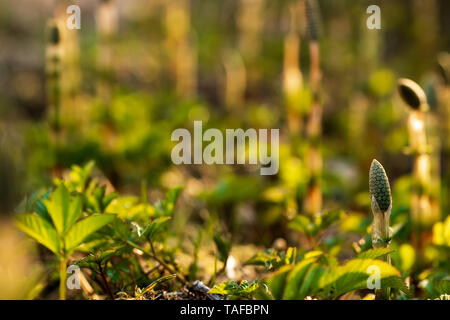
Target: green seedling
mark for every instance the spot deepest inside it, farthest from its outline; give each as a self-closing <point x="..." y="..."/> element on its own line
<point x="64" y="230"/>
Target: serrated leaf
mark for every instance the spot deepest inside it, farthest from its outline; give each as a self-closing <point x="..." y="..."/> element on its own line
<point x="84" y="228"/>
<point x="313" y="276"/>
<point x="63" y="210"/>
<point x="374" y="253"/>
<point x="312" y="279"/>
<point x="277" y="282"/>
<point x="353" y="275"/>
<point x="267" y="258"/>
<point x="243" y="289"/>
<point x="295" y="279"/>
<point x="39" y="229"/>
<point x="34" y="203"/>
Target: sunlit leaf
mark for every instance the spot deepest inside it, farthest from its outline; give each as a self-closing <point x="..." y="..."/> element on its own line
<point x="39" y="229"/>
<point x="84" y="228"/>
<point x="243" y="289"/>
<point x="295" y="278"/>
<point x="375" y="253"/>
<point x="63" y="210"/>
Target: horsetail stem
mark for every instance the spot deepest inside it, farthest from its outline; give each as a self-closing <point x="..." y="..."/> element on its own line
<point x="292" y="75"/>
<point x="443" y="93"/>
<point x="313" y="201"/>
<point x="312" y="20"/>
<point x="380" y="193"/>
<point x="53" y="67"/>
<point x="414" y="96"/>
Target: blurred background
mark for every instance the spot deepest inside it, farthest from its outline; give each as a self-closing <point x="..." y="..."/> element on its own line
<point x="115" y="90"/>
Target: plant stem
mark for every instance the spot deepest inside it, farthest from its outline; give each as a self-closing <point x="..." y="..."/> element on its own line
<point x="108" y="288"/>
<point x="161" y="262"/>
<point x="381" y="239"/>
<point x="62" y="278"/>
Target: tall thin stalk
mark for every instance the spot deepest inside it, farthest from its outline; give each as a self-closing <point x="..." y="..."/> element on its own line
<point x="53" y="73"/>
<point x="293" y="93"/>
<point x="443" y="93"/>
<point x="292" y="76"/>
<point x="62" y="278"/>
<point x="107" y="27"/>
<point x="422" y="213"/>
<point x="250" y="22"/>
<point x="70" y="62"/>
<point x="313" y="201"/>
<point x="181" y="47"/>
<point x="380" y="193"/>
<point x="235" y="80"/>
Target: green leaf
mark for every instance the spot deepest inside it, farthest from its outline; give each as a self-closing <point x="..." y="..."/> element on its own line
<point x="443" y="287"/>
<point x="268" y="258"/>
<point x="375" y="253"/>
<point x="295" y="278"/>
<point x="84" y="228"/>
<point x="39" y="229"/>
<point x="243" y="289"/>
<point x="162" y="279"/>
<point x="166" y="207"/>
<point x="277" y="282"/>
<point x="34" y="203"/>
<point x="312" y="279"/>
<point x="223" y="246"/>
<point x="63" y="211"/>
<point x="301" y="224"/>
<point x="108" y="199"/>
<point x="354" y="274"/>
<point x="79" y="177"/>
<point x="313" y="275"/>
<point x="155" y="226"/>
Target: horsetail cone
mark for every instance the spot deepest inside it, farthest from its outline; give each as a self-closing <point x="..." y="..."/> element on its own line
<point x="312" y="19"/>
<point x="379" y="188"/>
<point x="412" y="94"/>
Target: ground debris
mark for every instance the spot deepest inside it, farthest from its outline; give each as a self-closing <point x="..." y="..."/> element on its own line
<point x="195" y="291"/>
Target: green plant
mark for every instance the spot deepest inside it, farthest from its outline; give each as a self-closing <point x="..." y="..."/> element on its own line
<point x="271" y="259"/>
<point x="313" y="157"/>
<point x="243" y="289"/>
<point x="380" y="192"/>
<point x="64" y="229"/>
<point x="423" y="212"/>
<point x="317" y="274"/>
